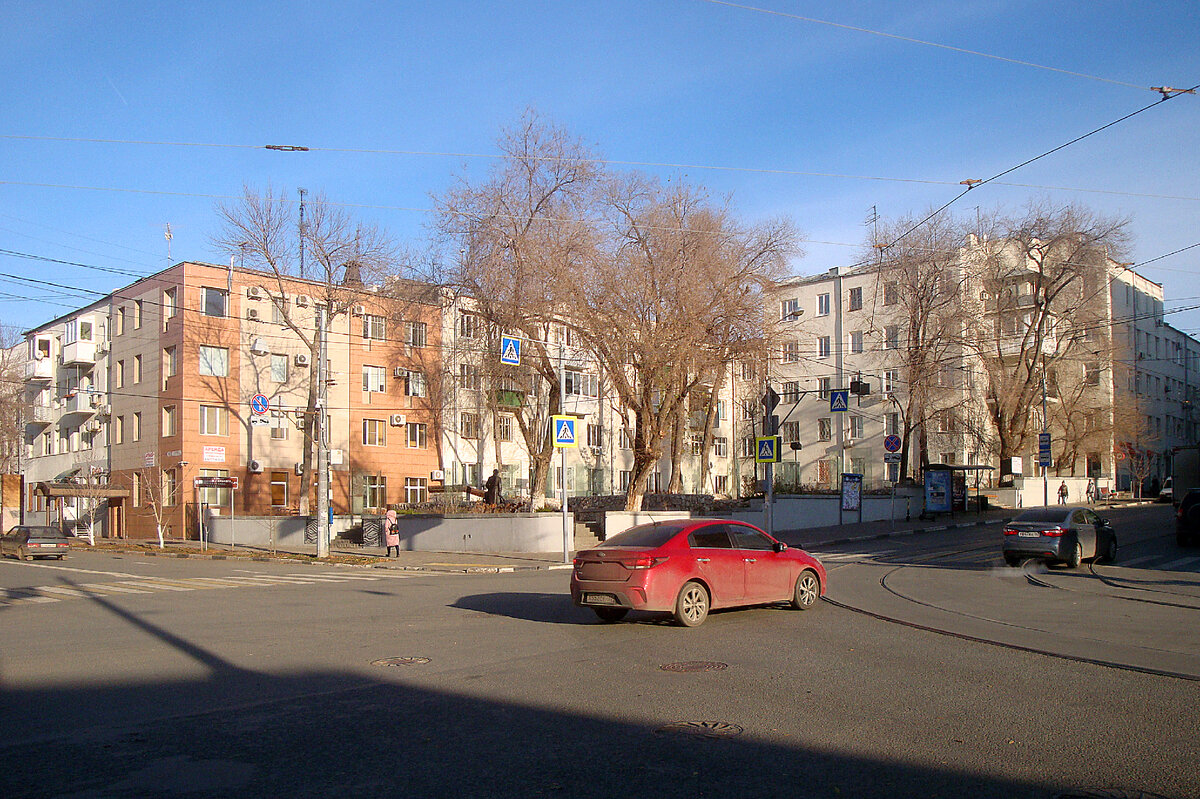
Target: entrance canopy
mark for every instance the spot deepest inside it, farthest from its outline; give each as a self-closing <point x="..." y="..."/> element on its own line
<point x="105" y="491"/>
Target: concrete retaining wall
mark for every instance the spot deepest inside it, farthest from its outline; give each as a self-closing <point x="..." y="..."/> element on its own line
<point x="257" y="531"/>
<point x="527" y="532"/>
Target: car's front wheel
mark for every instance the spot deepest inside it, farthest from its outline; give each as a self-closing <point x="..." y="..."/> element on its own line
<point x="691" y="608"/>
<point x="808" y="591"/>
<point x="1110" y="551"/>
<point x="1076" y="556"/>
<point x="611" y="615"/>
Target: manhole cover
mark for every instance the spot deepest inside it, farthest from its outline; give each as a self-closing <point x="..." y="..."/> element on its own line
<point x="399" y="661"/>
<point x="1105" y="793"/>
<point x="701" y="729"/>
<point x="695" y="665"/>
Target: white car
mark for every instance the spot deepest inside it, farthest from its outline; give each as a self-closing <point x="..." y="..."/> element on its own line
<point x="1168" y="493"/>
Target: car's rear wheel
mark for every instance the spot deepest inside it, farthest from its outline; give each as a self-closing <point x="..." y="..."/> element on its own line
<point x="808" y="591"/>
<point x="691" y="608"/>
<point x="611" y="615"/>
<point x="1076" y="556"/>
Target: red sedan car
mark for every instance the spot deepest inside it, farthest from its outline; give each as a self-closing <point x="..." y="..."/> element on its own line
<point x="687" y="567"/>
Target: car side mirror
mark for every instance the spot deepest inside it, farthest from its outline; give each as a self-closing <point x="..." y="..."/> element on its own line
<point x="780" y="546"/>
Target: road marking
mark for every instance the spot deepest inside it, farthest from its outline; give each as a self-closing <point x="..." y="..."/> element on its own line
<point x="1182" y="561"/>
<point x="114" y="588"/>
<point x="339" y="577"/>
<point x="27" y="600"/>
<point x="1137" y="561"/>
<point x="152" y="584"/>
<point x="54" y="589"/>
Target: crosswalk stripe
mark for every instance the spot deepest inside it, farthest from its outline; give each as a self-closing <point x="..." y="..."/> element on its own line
<point x="1137" y="561"/>
<point x="114" y="588"/>
<point x="338" y="577"/>
<point x="152" y="584"/>
<point x="30" y="600"/>
<point x="55" y="589"/>
<point x="1181" y="562"/>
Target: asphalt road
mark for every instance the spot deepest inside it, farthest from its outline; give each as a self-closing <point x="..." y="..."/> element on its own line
<point x="161" y="677"/>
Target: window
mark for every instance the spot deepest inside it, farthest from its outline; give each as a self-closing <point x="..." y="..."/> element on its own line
<point x="822" y="305"/>
<point x="468" y="426"/>
<point x="374" y="432"/>
<point x="214" y="361"/>
<point x="374" y="379"/>
<point x="893" y="424"/>
<point x="470" y="376"/>
<point x="169" y="487"/>
<point x="170" y="362"/>
<point x="136" y="433"/>
<point x="626" y="477"/>
<point x="414" y="384"/>
<point x="214" y="302"/>
<point x="119" y="375"/>
<point x="1091" y="374"/>
<point x="789" y="309"/>
<point x="279" y="428"/>
<point x="891" y="337"/>
<point x="824" y="429"/>
<point x="119" y="323"/>
<point x="136" y="498"/>
<point x="279" y="489"/>
<point x="170" y="303"/>
<point x="625" y="440"/>
<point x="119" y="430"/>
<point x="374" y="491"/>
<point x="720" y="447"/>
<point x="747" y="448"/>
<point x="890" y="379"/>
<point x="215" y="496"/>
<point x="278" y="304"/>
<point x="721" y="484"/>
<point x="416" y="435"/>
<point x="722" y="411"/>
<point x="279" y="368"/>
<point x="468" y="325"/>
<point x="856" y="342"/>
<point x="824" y="471"/>
<point x="891" y="293"/>
<point x="747" y="371"/>
<point x="374" y="327"/>
<point x="791" y="352"/>
<point x="415" y="490"/>
<point x="696" y="444"/>
<point x="824" y="387"/>
<point x="137" y="369"/>
<point x="214" y="421"/>
<point x="414" y="334"/>
<point x="856" y="298"/>
<point x="505" y="424"/>
<point x="168" y="421"/>
<point x="823" y="347"/>
<point x="790" y="431"/>
<point x="855" y="428"/>
<point x="137" y="314"/>
<point x="581" y="384"/>
<point x="593" y="435"/>
<point x="791" y="391"/>
<point x="949" y="457"/>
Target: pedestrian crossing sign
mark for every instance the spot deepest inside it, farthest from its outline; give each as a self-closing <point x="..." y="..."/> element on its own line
<point x="564" y="431"/>
<point x="839" y="401"/>
<point x="767" y="449"/>
<point x="510" y="350"/>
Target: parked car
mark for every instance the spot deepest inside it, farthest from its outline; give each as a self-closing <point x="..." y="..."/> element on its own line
<point x="26" y="542"/>
<point x="688" y="567"/>
<point x="1059" y="534"/>
<point x="1167" y="493"/>
<point x="1187" y="518"/>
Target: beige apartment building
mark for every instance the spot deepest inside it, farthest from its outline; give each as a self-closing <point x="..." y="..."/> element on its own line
<point x="137" y="395"/>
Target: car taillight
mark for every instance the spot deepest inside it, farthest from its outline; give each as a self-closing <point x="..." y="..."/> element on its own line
<point x="644" y="562"/>
<point x="577" y="563"/>
<point x="1009" y="531"/>
<point x="1054" y="532"/>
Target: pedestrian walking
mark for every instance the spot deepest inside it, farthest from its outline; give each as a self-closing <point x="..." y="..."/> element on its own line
<point x="1091" y="491"/>
<point x="1062" y="493"/>
<point x="491" y="493"/>
<point x="391" y="533"/>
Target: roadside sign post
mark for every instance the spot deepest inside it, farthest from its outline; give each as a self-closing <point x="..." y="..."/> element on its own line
<point x="1044" y="459"/>
<point x="510" y="350"/>
<point x="563" y="428"/>
<point x="891" y="454"/>
<point x="768" y="450"/>
<point x="220" y="482"/>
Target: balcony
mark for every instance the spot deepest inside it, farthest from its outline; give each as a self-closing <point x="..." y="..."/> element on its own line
<point x="79" y="353"/>
<point x="40" y="415"/>
<point x="81" y="403"/>
<point x="41" y="369"/>
<point x="1010" y="347"/>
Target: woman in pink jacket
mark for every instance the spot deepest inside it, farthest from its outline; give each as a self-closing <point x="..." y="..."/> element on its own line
<point x="391" y="533"/>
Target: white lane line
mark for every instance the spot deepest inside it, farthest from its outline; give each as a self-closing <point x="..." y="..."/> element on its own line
<point x="75" y="569"/>
<point x="1189" y="561"/>
<point x="338" y="577"/>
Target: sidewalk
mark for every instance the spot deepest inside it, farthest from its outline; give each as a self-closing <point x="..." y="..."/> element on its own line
<point x="342" y="554"/>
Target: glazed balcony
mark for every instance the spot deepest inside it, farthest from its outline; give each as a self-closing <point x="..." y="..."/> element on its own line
<point x="41" y="369"/>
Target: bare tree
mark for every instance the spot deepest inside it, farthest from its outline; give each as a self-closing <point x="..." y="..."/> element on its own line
<point x="518" y="232"/>
<point x="12" y="398"/>
<point x="147" y="487"/>
<point x="337" y="253"/>
<point x="1033" y="273"/>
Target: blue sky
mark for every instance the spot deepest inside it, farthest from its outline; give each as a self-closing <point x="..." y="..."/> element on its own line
<point x="755" y="103"/>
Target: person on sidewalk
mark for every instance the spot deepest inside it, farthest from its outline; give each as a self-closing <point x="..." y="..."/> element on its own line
<point x="491" y="494"/>
<point x="1062" y="493"/>
<point x="391" y="533"/>
<point x="1091" y="492"/>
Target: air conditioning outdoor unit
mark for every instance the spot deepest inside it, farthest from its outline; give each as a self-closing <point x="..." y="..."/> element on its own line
<point x="259" y="347"/>
<point x="437" y="474"/>
<point x="252" y="314"/>
<point x="359" y="310"/>
<point x="301" y="359"/>
<point x="303" y="301"/>
<point x="399" y="372"/>
<point x="299" y="468"/>
<point x="92" y="426"/>
<point x="398" y="420"/>
<point x="106" y="410"/>
<point x="102" y="348"/>
<point x="96" y="400"/>
<point x="254" y="292"/>
<point x="255" y="467"/>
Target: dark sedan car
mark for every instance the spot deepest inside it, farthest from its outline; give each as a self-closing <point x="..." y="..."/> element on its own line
<point x="1059" y="534"/>
<point x="688" y="566"/>
<point x="26" y="542"/>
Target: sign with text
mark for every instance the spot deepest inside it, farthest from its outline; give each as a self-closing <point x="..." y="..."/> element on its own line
<point x="217" y="482"/>
<point x="213" y="454"/>
<point x="851" y="491"/>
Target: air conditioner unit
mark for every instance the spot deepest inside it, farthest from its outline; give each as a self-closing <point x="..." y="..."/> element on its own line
<point x="299" y="468"/>
<point x="259" y="347"/>
<point x="252" y="314"/>
<point x="437" y="474"/>
<point x="399" y="372"/>
<point x="398" y="420"/>
<point x="102" y="348"/>
<point x="254" y="467"/>
<point x="303" y="301"/>
<point x="106" y="410"/>
<point x="92" y="426"/>
<point x="254" y="292"/>
<point x="301" y="359"/>
<point x="359" y="310"/>
<point x="96" y="400"/>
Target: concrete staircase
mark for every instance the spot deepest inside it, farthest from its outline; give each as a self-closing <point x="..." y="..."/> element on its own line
<point x="589" y="532"/>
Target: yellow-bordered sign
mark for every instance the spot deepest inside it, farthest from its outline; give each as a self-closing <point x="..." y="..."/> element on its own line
<point x="768" y="449"/>
<point x="564" y="431"/>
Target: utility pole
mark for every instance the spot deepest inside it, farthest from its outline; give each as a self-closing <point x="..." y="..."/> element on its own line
<point x="322" y="440"/>
<point x="562" y="451"/>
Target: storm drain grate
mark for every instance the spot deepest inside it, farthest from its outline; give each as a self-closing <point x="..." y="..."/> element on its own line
<point x="409" y="661"/>
<point x="694" y="665"/>
<point x="701" y="729"/>
<point x="1105" y="793"/>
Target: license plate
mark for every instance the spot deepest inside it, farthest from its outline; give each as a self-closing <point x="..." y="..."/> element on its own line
<point x="1028" y="534"/>
<point x="599" y="599"/>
